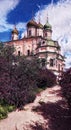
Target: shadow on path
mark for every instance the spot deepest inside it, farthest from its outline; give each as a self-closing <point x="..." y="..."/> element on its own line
<point x="57" y="115"/>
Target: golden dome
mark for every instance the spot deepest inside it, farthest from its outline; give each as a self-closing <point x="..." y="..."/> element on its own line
<point x="15" y="30"/>
<point x="32" y="23"/>
<point x="40" y="25"/>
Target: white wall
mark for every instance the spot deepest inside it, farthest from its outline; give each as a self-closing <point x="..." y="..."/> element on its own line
<point x="40" y="32"/>
<point x="14" y="37"/>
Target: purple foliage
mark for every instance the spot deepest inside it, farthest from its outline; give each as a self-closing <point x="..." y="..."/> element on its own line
<point x="17" y="83"/>
<point x="66" y="86"/>
<point x="46" y="78"/>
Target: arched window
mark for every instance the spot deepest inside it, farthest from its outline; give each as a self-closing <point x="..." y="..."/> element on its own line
<point x="45" y="34"/>
<point x="51" y="62"/>
<point x="43" y="42"/>
<point x="30" y="33"/>
<point x="28" y="52"/>
<point x="62" y="68"/>
<point x="18" y="53"/>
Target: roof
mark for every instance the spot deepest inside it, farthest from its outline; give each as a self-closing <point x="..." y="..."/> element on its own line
<point x="15" y="31"/>
<point x="35" y="24"/>
<point x="47" y="26"/>
<point x="40" y="25"/>
<point x="53" y="43"/>
<point x="60" y="57"/>
<point x="32" y="23"/>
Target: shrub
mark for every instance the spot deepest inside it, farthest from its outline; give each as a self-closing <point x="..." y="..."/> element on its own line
<point x="3" y="112"/>
<point x="4" y="109"/>
<point x="10" y="108"/>
<point x="46" y="78"/>
<point x="65" y="83"/>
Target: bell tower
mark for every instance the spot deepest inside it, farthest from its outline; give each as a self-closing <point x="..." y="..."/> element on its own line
<point x="32" y="28"/>
<point x="15" y="34"/>
<point x="47" y="32"/>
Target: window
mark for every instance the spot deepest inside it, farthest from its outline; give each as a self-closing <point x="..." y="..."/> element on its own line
<point x="45" y="34"/>
<point x="28" y="52"/>
<point x="58" y="67"/>
<point x="62" y="67"/>
<point x="43" y="42"/>
<point x="43" y="62"/>
<point x="30" y="33"/>
<point x="51" y="62"/>
<point x="56" y="63"/>
<point x="18" y="53"/>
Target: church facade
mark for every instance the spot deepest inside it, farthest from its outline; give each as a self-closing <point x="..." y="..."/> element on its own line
<point x="38" y="42"/>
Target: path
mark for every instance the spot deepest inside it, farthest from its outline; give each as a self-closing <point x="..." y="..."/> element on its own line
<point x="20" y="120"/>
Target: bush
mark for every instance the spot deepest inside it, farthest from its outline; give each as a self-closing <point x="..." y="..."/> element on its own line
<point x="4" y="109"/>
<point x="10" y="108"/>
<point x="65" y="83"/>
<point x="3" y="112"/>
<point x="46" y="78"/>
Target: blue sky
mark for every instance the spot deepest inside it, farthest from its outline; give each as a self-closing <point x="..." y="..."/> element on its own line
<point x="19" y="12"/>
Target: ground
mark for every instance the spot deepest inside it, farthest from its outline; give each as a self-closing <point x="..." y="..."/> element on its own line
<point x="20" y="120"/>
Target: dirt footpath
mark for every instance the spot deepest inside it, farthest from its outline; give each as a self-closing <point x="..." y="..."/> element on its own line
<point x="20" y="120"/>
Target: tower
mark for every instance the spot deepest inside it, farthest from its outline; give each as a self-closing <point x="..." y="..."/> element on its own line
<point x="32" y="28"/>
<point x="47" y="32"/>
<point x="15" y="34"/>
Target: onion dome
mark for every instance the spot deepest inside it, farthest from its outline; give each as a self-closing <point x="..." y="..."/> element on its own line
<point x="15" y="31"/>
<point x="32" y="23"/>
<point x="40" y="25"/>
<point x="47" y="26"/>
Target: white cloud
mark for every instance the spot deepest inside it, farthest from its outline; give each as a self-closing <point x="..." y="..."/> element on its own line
<point x="6" y="6"/>
<point x="21" y="26"/>
<point x="60" y="18"/>
<point x="68" y="61"/>
<point x="24" y="34"/>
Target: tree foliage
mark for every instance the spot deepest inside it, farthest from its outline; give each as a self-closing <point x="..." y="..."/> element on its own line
<point x="66" y="86"/>
<point x="46" y="78"/>
<point x="19" y="81"/>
